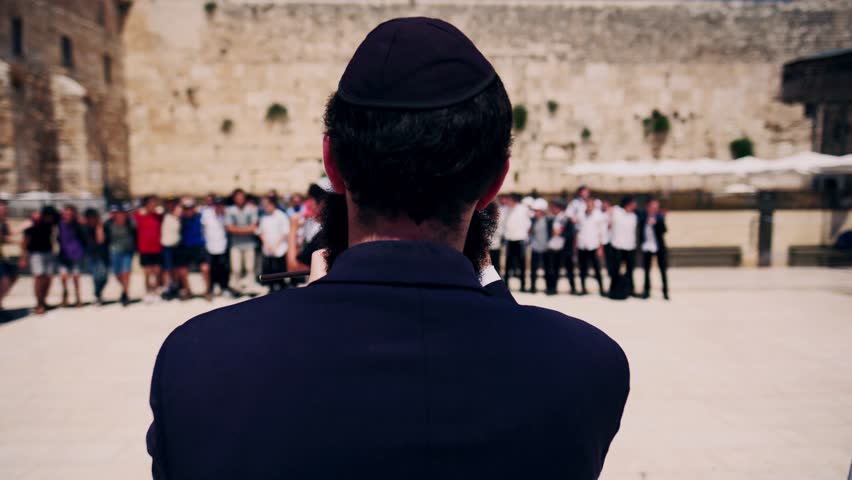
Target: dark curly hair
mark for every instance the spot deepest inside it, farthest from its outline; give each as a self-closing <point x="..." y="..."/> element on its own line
<point x="421" y="164"/>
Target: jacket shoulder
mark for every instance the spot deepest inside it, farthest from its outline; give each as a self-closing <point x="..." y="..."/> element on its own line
<point x="582" y="340"/>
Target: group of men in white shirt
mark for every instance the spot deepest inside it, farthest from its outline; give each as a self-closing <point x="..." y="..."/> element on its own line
<point x="587" y="229"/>
<point x="232" y="235"/>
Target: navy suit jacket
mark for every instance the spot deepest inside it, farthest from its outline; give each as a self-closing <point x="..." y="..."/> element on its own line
<point x="396" y="365"/>
<point x="659" y="228"/>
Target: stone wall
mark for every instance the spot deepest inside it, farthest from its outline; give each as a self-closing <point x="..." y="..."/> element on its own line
<point x="712" y="67"/>
<point x="63" y="128"/>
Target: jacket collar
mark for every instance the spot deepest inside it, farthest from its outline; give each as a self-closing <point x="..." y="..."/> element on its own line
<point x="403" y="263"/>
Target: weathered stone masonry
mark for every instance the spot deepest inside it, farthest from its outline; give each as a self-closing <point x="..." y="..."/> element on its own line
<point x="62" y="108"/>
<point x="712" y="67"/>
<point x="185" y="110"/>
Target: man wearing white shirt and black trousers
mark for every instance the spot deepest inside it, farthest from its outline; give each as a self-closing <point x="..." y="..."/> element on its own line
<point x="216" y="243"/>
<point x="517" y="232"/>
<point x="652" y="242"/>
<point x="591" y="231"/>
<point x="623" y="239"/>
<point x="274" y="233"/>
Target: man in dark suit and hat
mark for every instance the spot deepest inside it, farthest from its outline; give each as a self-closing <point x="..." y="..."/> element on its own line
<point x="397" y="364"/>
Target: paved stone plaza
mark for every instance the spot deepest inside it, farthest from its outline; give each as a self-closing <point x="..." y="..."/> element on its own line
<point x="745" y="374"/>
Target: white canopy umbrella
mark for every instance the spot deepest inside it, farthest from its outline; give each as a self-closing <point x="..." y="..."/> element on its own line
<point x="708" y="174"/>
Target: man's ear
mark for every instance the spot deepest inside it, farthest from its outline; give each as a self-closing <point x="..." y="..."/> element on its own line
<point x="330" y="164"/>
<point x="492" y="191"/>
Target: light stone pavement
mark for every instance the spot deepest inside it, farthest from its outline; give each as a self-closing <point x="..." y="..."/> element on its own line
<point x="745" y="374"/>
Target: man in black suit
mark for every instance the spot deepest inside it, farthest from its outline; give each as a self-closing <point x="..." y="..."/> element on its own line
<point x="652" y="241"/>
<point x="397" y="364"/>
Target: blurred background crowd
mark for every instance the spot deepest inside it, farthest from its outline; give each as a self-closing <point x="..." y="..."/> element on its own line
<point x="229" y="240"/>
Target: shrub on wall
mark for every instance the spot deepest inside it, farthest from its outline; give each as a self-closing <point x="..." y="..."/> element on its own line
<point x="276" y="113"/>
<point x="657" y="123"/>
<point x="519" y="117"/>
<point x="656" y="127"/>
<point x="191" y="98"/>
<point x="586" y="133"/>
<point x="210" y="8"/>
<point x="742" y="147"/>
<point x="227" y="126"/>
<point x="552" y="106"/>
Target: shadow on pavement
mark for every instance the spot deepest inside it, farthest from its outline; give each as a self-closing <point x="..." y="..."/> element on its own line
<point x="7" y="316"/>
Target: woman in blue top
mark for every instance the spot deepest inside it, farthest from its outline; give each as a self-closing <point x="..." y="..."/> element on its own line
<point x="190" y="252"/>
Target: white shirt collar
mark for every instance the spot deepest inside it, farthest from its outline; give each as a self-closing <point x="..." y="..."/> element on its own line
<point x="488" y="275"/>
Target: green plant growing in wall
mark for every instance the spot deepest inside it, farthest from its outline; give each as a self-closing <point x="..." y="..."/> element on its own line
<point x="191" y="97"/>
<point x="742" y="147"/>
<point x="210" y="8"/>
<point x="227" y="126"/>
<point x="552" y="106"/>
<point x="586" y="134"/>
<point x="519" y="117"/>
<point x="656" y="123"/>
<point x="276" y="113"/>
<point x="656" y="127"/>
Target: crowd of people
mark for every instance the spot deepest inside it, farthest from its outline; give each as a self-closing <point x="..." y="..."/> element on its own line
<point x="565" y="238"/>
<point x="232" y="240"/>
<point x="229" y="240"/>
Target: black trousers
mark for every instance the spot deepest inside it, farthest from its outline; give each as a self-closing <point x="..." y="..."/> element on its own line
<point x="587" y="257"/>
<point x="516" y="264"/>
<point x="274" y="265"/>
<point x="538" y="260"/>
<point x="628" y="258"/>
<point x="610" y="259"/>
<point x="662" y="262"/>
<point x="220" y="271"/>
<point x="567" y="260"/>
<point x="495" y="258"/>
<point x="551" y="269"/>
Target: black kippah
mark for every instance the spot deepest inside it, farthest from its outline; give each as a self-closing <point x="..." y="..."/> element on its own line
<point x="415" y="63"/>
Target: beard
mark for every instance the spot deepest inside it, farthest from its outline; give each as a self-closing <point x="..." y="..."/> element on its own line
<point x="334" y="235"/>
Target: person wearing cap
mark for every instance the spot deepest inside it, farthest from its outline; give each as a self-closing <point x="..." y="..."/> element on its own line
<point x="397" y="364"/>
<point x="121" y="240"/>
<point x="539" y="236"/>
